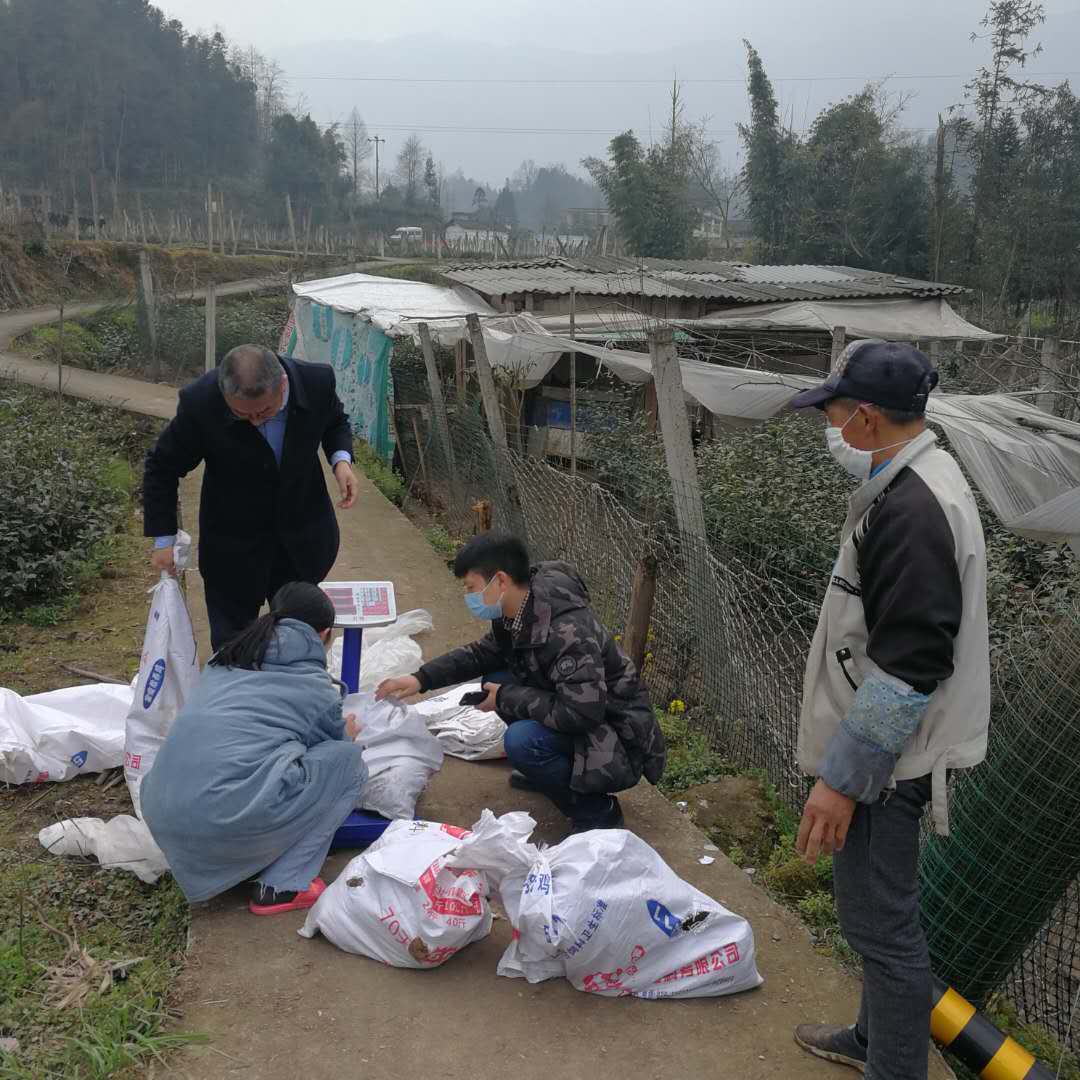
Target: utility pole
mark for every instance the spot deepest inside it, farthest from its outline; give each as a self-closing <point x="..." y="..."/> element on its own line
<point x="376" y="139"/>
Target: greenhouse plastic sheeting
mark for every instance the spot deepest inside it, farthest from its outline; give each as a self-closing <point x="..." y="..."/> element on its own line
<point x="1024" y="460"/>
<point x="894" y="320"/>
<point x="387" y="302"/>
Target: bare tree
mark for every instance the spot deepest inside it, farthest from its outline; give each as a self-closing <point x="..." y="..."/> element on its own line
<point x="357" y="147"/>
<point x="720" y="187"/>
<point x="410" y="168"/>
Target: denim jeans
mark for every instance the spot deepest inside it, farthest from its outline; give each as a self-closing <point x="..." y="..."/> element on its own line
<point x="876" y="881"/>
<point x="546" y="758"/>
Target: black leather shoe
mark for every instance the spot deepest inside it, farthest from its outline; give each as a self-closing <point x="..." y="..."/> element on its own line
<point x="613" y="819"/>
<point x="520" y="781"/>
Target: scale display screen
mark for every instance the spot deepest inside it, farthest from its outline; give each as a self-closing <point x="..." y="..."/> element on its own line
<point x="362" y="603"/>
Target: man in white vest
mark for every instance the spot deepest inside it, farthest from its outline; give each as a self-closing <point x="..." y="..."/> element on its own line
<point x="897" y="690"/>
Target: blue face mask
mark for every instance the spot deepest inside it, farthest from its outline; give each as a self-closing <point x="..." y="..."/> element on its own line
<point x="474" y="601"/>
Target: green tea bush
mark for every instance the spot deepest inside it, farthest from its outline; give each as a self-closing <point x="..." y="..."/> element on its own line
<point x="774" y="498"/>
<point x="64" y="489"/>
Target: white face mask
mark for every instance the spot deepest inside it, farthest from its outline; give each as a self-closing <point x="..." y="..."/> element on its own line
<point x="860" y="463"/>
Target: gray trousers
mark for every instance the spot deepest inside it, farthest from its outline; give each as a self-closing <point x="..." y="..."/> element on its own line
<point x="876" y="882"/>
<point x="295" y="869"/>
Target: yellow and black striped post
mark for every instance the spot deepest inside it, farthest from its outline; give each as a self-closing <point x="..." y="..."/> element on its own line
<point x="962" y="1030"/>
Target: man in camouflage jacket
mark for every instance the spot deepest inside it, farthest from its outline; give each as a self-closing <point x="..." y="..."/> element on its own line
<point x="579" y="722"/>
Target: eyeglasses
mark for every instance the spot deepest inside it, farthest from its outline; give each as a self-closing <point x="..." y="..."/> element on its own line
<point x="260" y="416"/>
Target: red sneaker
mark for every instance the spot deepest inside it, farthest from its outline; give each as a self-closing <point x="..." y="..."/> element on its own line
<point x="266" y="901"/>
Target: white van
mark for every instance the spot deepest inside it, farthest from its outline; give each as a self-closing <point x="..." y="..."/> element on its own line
<point x="407" y="236"/>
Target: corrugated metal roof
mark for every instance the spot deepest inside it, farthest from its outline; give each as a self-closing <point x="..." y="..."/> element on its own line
<point x="559" y="280"/>
<point x="741" y="283"/>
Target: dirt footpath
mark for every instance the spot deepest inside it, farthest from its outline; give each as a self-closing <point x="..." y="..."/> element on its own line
<point x="278" y="1006"/>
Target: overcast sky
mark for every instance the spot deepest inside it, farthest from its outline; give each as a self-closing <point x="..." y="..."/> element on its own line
<point x="816" y="52"/>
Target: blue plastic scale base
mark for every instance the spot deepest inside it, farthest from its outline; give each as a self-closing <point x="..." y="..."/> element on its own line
<point x="360" y="829"/>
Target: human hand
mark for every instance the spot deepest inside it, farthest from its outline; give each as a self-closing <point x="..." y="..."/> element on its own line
<point x="162" y="559"/>
<point x="488" y="704"/>
<point x="825" y="822"/>
<point x="402" y="687"/>
<point x="352" y="726"/>
<point x="346" y="479"/>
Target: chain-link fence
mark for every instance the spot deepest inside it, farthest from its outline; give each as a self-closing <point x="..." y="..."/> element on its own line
<point x="730" y="628"/>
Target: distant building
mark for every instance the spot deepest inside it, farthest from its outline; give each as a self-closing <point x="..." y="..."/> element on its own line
<point x="673" y="288"/>
<point x="584" y="219"/>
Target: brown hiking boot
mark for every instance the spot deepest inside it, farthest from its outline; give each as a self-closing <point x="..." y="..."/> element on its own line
<point x="839" y="1044"/>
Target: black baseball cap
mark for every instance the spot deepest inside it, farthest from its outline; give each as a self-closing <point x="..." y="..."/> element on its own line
<point x="891" y="374"/>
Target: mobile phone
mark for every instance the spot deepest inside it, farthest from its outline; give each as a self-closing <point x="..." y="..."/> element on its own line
<point x="476" y="697"/>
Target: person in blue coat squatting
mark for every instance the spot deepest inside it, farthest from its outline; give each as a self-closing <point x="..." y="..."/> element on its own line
<point x="260" y="768"/>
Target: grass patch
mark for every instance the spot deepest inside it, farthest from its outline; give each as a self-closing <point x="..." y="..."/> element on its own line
<point x="690" y="759"/>
<point x="808" y="890"/>
<point x="63" y="924"/>
<point x="443" y="543"/>
<point x="389" y="483"/>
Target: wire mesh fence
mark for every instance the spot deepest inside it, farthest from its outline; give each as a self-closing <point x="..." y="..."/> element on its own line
<point x="1000" y="896"/>
<point x="731" y="623"/>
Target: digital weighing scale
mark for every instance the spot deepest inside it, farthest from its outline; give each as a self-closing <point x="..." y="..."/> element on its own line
<point x="359" y="604"/>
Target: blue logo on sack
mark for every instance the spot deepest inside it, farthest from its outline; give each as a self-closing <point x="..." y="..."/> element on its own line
<point x="154" y="682"/>
<point x="79" y="759"/>
<point x="663" y="918"/>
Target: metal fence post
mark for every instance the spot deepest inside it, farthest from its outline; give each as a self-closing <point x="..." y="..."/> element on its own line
<point x="442" y="424"/>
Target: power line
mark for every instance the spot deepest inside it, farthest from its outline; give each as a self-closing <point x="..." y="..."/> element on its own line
<point x="460" y="129"/>
<point x="654" y="82"/>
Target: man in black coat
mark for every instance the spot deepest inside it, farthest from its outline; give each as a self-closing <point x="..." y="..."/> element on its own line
<point x="265" y="516"/>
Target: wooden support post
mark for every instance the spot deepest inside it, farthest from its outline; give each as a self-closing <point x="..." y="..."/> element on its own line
<point x="573" y="384"/>
<point x="492" y="408"/>
<point x="636" y="635"/>
<point x="142" y="217"/>
<point x="211" y="326"/>
<point x="442" y="424"/>
<point x="146" y="290"/>
<point x="391" y="414"/>
<point x="420" y="452"/>
<point x="650" y="407"/>
<point x="210" y="218"/>
<point x="675" y="431"/>
<point x="292" y="225"/>
<point x="711" y="648"/>
<point x="839" y="339"/>
<point x="507" y="494"/>
<point x="1050" y="372"/>
<point x="459" y="370"/>
<point x="222" y="230"/>
<point x="74" y="211"/>
<point x="94" y="204"/>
